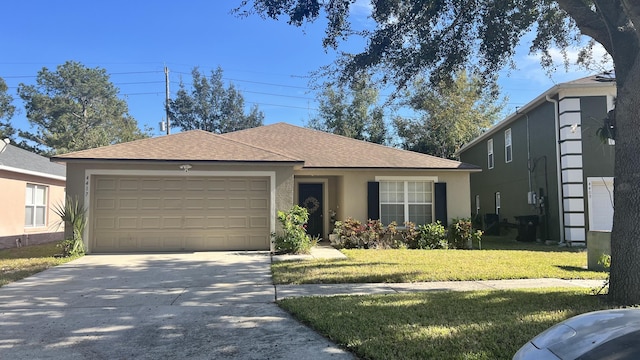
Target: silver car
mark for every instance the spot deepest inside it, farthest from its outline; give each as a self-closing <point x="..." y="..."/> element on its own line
<point x="605" y="334"/>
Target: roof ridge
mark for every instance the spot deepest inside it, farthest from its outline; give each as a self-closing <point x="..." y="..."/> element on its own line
<point x="254" y="146"/>
<point x="364" y="141"/>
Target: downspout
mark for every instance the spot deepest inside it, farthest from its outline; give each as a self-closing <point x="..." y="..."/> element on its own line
<point x="558" y="168"/>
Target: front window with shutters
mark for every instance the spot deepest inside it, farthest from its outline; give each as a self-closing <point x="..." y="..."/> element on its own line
<point x="35" y="211"/>
<point x="406" y="200"/>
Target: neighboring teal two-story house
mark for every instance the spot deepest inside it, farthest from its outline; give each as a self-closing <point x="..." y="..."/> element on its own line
<point x="547" y="160"/>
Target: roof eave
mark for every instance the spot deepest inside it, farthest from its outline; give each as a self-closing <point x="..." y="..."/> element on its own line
<point x="127" y="160"/>
<point x="469" y="169"/>
<point x="530" y="105"/>
<point x="32" y="173"/>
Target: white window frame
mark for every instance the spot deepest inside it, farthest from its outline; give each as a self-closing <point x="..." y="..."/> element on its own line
<point x="406" y="179"/>
<point x="490" y="156"/>
<point x="33" y="188"/>
<point x="498" y="201"/>
<point x="477" y="204"/>
<point x="508" y="147"/>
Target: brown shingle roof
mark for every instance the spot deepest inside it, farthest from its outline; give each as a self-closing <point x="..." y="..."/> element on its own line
<point x="279" y="142"/>
<point x="195" y="145"/>
<point x="323" y="150"/>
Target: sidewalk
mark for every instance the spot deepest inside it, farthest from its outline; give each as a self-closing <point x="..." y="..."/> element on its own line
<point x="326" y="251"/>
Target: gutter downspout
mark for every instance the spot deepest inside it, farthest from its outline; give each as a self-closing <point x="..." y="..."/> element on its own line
<point x="558" y="169"/>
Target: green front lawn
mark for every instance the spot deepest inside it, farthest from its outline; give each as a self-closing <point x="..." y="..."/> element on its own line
<point x="19" y="263"/>
<point x="440" y="325"/>
<point x="499" y="259"/>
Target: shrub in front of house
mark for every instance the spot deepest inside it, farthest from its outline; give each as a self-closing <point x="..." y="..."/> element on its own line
<point x="352" y="234"/>
<point x="432" y="236"/>
<point x="294" y="238"/>
<point x="461" y="234"/>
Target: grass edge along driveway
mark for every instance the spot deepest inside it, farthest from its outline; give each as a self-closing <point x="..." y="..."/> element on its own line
<point x="19" y="263"/>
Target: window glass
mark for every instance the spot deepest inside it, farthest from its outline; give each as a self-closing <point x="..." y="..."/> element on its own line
<point x="35" y="212"/>
<point x="508" y="152"/>
<point x="490" y="160"/>
<point x="402" y="201"/>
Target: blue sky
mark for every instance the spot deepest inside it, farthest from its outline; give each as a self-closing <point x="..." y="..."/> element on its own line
<point x="268" y="61"/>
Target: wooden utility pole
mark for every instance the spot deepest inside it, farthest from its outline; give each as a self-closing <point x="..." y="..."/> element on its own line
<point x="166" y="79"/>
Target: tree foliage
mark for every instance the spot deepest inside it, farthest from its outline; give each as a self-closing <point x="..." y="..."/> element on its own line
<point x="211" y="107"/>
<point x="75" y="108"/>
<point x="351" y="111"/>
<point x="410" y="38"/>
<point x="7" y="109"/>
<point x="450" y="115"/>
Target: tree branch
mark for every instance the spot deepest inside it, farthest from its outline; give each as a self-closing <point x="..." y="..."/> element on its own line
<point x="588" y="21"/>
<point x="632" y="9"/>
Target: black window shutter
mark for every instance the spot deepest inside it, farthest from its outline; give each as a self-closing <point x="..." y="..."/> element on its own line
<point x="441" y="202"/>
<point x="373" y="200"/>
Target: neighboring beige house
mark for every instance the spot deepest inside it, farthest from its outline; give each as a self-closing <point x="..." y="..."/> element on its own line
<point x="31" y="186"/>
<point x="200" y="191"/>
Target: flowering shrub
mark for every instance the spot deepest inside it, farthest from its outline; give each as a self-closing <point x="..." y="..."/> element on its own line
<point x="294" y="238"/>
<point x="373" y="234"/>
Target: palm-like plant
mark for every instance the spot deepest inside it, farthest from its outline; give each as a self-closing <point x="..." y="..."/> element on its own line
<point x="73" y="215"/>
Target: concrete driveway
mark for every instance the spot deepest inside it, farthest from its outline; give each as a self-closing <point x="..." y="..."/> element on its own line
<point x="209" y="305"/>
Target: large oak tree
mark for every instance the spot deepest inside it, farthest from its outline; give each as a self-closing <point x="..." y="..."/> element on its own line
<point x="76" y="108"/>
<point x="412" y="37"/>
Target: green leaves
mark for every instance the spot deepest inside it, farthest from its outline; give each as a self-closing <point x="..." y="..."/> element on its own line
<point x="351" y="111"/>
<point x="211" y="107"/>
<point x="451" y="114"/>
<point x="75" y="108"/>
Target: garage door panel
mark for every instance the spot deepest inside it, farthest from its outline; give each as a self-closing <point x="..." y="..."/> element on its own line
<point x="128" y="184"/>
<point x="172" y="222"/>
<point x="150" y="203"/>
<point x="216" y="222"/>
<point x="238" y="203"/>
<point x="105" y="204"/>
<point x="258" y="222"/>
<point x="175" y="214"/>
<point x="128" y="204"/>
<point x="105" y="223"/>
<point x="259" y="204"/>
<point x="150" y="223"/>
<point x="127" y="223"/>
<point x="194" y="203"/>
<point x="236" y="222"/>
<point x="172" y="203"/>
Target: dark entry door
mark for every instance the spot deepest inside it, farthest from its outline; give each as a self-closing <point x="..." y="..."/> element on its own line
<point x="310" y="197"/>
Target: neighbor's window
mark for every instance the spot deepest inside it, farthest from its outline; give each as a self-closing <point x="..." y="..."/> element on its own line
<point x="508" y="152"/>
<point x="477" y="204"/>
<point x="490" y="153"/>
<point x="498" y="203"/>
<point x="35" y="210"/>
<point x="402" y="201"/>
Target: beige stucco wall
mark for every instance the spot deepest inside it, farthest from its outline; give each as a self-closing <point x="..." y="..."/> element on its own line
<point x="284" y="183"/>
<point x="351" y="189"/>
<point x="13" y="187"/>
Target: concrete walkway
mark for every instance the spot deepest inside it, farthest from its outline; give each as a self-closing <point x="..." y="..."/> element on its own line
<point x="326" y="251"/>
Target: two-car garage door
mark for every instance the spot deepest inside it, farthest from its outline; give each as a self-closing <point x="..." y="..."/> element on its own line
<point x="185" y="213"/>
